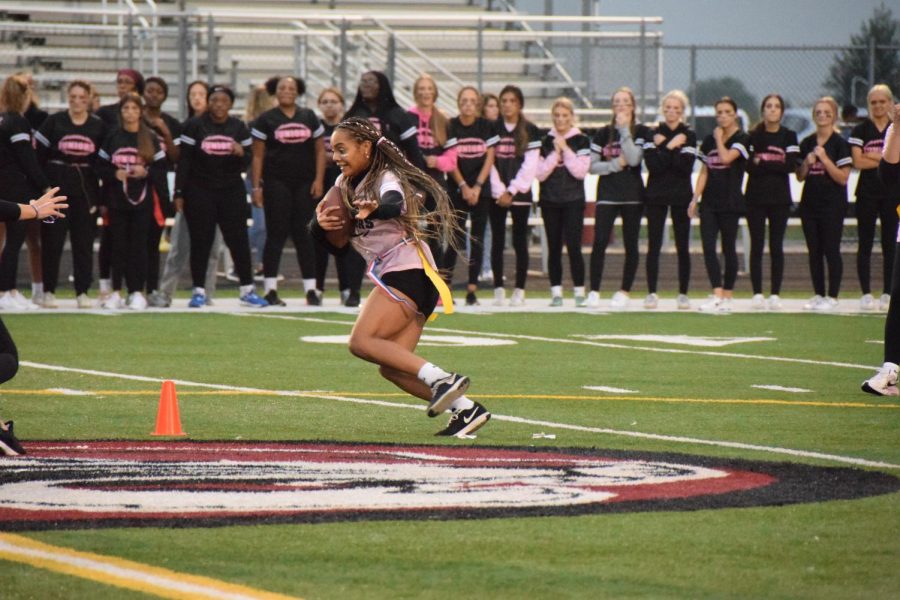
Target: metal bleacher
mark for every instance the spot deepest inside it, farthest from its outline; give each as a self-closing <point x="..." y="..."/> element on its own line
<point x="328" y="42"/>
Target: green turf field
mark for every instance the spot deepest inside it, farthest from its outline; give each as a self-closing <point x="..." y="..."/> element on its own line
<point x="688" y="399"/>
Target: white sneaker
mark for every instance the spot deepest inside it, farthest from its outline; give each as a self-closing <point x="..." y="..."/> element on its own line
<point x="885" y="302"/>
<point x="22" y="303"/>
<point x="827" y="304"/>
<point x="813" y="303"/>
<point x="7" y="302"/>
<point x="651" y="301"/>
<point x="593" y="299"/>
<point x="774" y="302"/>
<point x="137" y="301"/>
<point x="112" y="301"/>
<point x="758" y="302"/>
<point x="518" y="297"/>
<point x="499" y="296"/>
<point x="711" y="305"/>
<point x="683" y="302"/>
<point x="38" y="299"/>
<point x="82" y="301"/>
<point x="884" y="382"/>
<point x="867" y="302"/>
<point x="49" y="300"/>
<point x="725" y="306"/>
<point x="619" y="300"/>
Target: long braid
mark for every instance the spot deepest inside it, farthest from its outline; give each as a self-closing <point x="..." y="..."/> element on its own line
<point x="417" y="185"/>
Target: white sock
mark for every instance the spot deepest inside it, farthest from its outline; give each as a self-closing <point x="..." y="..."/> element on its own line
<point x="246" y="289"/>
<point x="430" y="373"/>
<point x="309" y="284"/>
<point x="556" y="291"/>
<point x="37" y="288"/>
<point x="105" y="285"/>
<point x="271" y="284"/>
<point x="462" y="403"/>
<point x="579" y="290"/>
<point x="200" y="290"/>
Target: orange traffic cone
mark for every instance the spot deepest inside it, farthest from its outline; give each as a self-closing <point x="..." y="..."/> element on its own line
<point x="168" y="420"/>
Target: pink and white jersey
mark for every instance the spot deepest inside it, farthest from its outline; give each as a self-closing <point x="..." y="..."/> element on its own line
<point x="387" y="240"/>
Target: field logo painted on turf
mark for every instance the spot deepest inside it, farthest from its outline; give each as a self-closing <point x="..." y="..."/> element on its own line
<point x="94" y="484"/>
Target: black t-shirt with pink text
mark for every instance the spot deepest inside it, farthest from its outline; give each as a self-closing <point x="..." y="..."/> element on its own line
<point x="724" y="183"/>
<point x="820" y="192"/>
<point x="290" y="143"/>
<point x="472" y="143"/>
<point x="208" y="156"/>
<point x="68" y="154"/>
<point x="867" y="138"/>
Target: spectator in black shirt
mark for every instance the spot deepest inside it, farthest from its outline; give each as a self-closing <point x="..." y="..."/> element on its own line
<point x="67" y="146"/>
<point x="133" y="167"/>
<point x="211" y="192"/>
<point x="470" y="190"/>
<point x="20" y="177"/>
<point x="774" y="154"/>
<point x="669" y="156"/>
<point x="825" y="168"/>
<point x="128" y="81"/>
<point x="724" y="154"/>
<point x="288" y="177"/>
<point x="874" y="200"/>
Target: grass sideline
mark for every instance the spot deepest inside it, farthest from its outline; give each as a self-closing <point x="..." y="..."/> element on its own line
<point x="838" y="549"/>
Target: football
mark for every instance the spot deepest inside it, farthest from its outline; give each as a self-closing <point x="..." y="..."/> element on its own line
<point x="339" y="237"/>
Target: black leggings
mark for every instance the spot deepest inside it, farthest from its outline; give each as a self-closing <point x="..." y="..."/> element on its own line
<point x="9" y="259"/>
<point x="79" y="224"/>
<point x="892" y="324"/>
<point x="823" y="241"/>
<point x="204" y="209"/>
<point x="520" y="214"/>
<point x="564" y="222"/>
<point x="711" y="224"/>
<point x="868" y="210"/>
<point x="9" y="355"/>
<point x="128" y="232"/>
<point x="656" y="223"/>
<point x="479" y="216"/>
<point x="605" y="217"/>
<point x="289" y="208"/>
<point x="350" y="269"/>
<point x="777" y="216"/>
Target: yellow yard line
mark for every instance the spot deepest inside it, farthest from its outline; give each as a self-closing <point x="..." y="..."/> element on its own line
<point x="123" y="573"/>
<point x="748" y="401"/>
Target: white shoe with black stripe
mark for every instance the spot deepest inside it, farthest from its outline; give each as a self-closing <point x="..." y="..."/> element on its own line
<point x="445" y="391"/>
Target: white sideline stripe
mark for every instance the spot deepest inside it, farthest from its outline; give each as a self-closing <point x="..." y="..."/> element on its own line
<point x="612" y="390"/>
<point x="68" y="392"/>
<point x="634" y="434"/>
<point x="536" y="338"/>
<point x="116" y="571"/>
<point x="779" y="388"/>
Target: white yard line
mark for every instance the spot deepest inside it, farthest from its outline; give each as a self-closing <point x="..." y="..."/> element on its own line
<point x="511" y="419"/>
<point x="611" y="390"/>
<point x="781" y="388"/>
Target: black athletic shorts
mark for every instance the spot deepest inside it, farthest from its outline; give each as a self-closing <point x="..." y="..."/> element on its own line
<point x="415" y="284"/>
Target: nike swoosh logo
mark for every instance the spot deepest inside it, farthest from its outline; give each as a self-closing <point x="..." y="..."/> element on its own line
<point x="469" y="419"/>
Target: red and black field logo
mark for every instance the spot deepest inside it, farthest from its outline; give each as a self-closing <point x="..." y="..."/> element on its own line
<point x="202" y="484"/>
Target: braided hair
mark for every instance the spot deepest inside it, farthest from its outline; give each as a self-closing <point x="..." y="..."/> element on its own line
<point x="417" y="185"/>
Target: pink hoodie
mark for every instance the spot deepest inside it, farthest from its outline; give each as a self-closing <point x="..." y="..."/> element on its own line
<point x="578" y="166"/>
<point x="446" y="160"/>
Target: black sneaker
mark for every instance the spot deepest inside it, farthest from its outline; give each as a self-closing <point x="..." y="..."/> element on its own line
<point x="9" y="445"/>
<point x="466" y="421"/>
<point x="445" y="391"/>
<point x="352" y="299"/>
<point x="313" y="298"/>
<point x="471" y="299"/>
<point x="272" y="298"/>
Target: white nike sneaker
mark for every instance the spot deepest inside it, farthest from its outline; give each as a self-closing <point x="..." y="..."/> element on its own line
<point x="82" y="301"/>
<point x="22" y="303"/>
<point x="499" y="296"/>
<point x="758" y="302"/>
<point x="112" y="301"/>
<point x="712" y="305"/>
<point x="813" y="303"/>
<point x="651" y="301"/>
<point x="518" y="297"/>
<point x="867" y="302"/>
<point x="49" y="300"/>
<point x="774" y="302"/>
<point x="7" y="302"/>
<point x="828" y="304"/>
<point x="884" y="382"/>
<point x="683" y="302"/>
<point x="619" y="300"/>
<point x="137" y="301"/>
<point x="884" y="302"/>
<point x="593" y="299"/>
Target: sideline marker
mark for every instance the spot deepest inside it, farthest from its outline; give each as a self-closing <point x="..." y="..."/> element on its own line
<point x="168" y="419"/>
